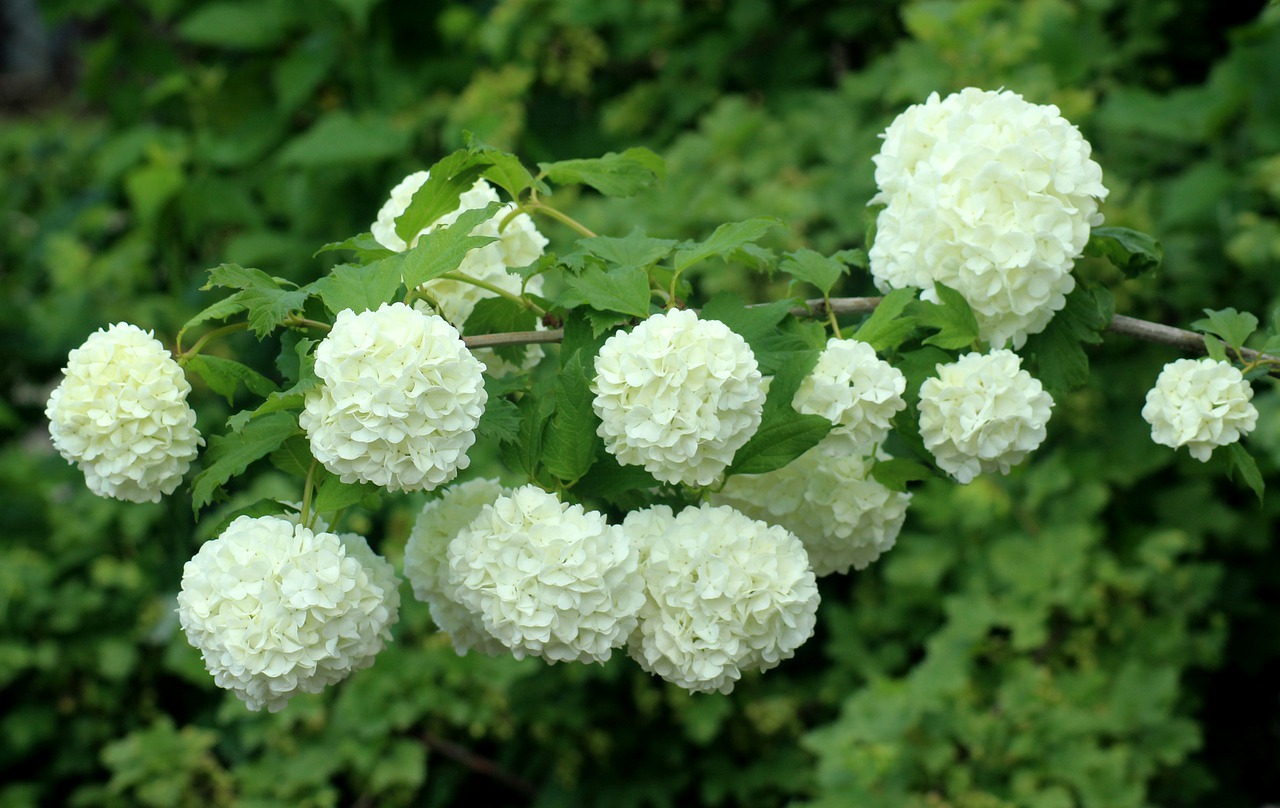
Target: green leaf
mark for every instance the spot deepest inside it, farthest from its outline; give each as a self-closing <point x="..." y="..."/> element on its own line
<point x="220" y="310"/>
<point x="449" y="179"/>
<point x="229" y="455"/>
<point x="608" y="479"/>
<point x="955" y="322"/>
<point x="1131" y="251"/>
<point x="725" y="239"/>
<point x="340" y="138"/>
<point x="367" y="248"/>
<point x="1215" y="348"/>
<point x="602" y="322"/>
<point x="497" y="315"/>
<point x="624" y="290"/>
<point x="814" y="268"/>
<point x="1232" y="326"/>
<point x="779" y="440"/>
<point x="294" y="457"/>
<point x="888" y="327"/>
<point x="500" y="419"/>
<point x="235" y="276"/>
<point x="332" y="494"/>
<point x="523" y="455"/>
<point x="1243" y="464"/>
<point x="291" y="399"/>
<point x="224" y="375"/>
<point x="571" y="442"/>
<point x="506" y="170"/>
<point x="635" y="250"/>
<point x="1060" y="360"/>
<point x="348" y="286"/>
<point x="245" y="24"/>
<point x="758" y="325"/>
<point x="442" y="250"/>
<point x="623" y="174"/>
<point x="267" y="303"/>
<point x="896" y="472"/>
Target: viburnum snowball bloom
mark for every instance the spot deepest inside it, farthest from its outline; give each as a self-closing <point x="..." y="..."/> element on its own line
<point x="121" y="415"/>
<point x="829" y="500"/>
<point x="426" y="562"/>
<point x="548" y="579"/>
<point x="1200" y="404"/>
<point x="991" y="195"/>
<point x="276" y="609"/>
<point x="725" y="594"/>
<point x="982" y="413"/>
<point x="677" y="395"/>
<point x="399" y="400"/>
<point x="855" y="390"/>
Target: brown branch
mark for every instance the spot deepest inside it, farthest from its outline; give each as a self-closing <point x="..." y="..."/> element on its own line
<point x="514" y="338"/>
<point x="477" y="763"/>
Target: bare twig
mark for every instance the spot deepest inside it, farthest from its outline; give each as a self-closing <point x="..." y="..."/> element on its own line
<point x="478" y="763"/>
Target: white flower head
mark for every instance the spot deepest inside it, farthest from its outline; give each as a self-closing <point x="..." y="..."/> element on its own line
<point x="548" y="579"/>
<point x="120" y="413"/>
<point x="426" y="562"/>
<point x="399" y="400"/>
<point x="855" y="390"/>
<point x="519" y="244"/>
<point x="677" y="395"/>
<point x="276" y="609"/>
<point x="991" y="195"/>
<point x="726" y="594"/>
<point x="1200" y="404"/>
<point x="982" y="413"/>
<point x="829" y="500"/>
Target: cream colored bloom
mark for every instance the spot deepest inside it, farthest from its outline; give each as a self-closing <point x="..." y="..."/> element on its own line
<point x="276" y="609"/>
<point x="548" y="579"/>
<point x="121" y="415"/>
<point x="829" y="500"/>
<point x="855" y="390"/>
<point x="678" y="396"/>
<point x="994" y="197"/>
<point x="982" y="413"/>
<point x="726" y="594"/>
<point x="399" y="400"/>
<point x="1200" y="404"/>
<point x="426" y="562"/>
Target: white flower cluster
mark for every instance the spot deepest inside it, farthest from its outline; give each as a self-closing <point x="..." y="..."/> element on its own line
<point x="519" y="244"/>
<point x="399" y="400"/>
<point x="121" y="414"/>
<point x="426" y="562"/>
<point x="855" y="390"/>
<point x="994" y="197"/>
<point x="982" y="413"/>
<point x="548" y="579"/>
<point x="276" y="609"/>
<point x="828" y="499"/>
<point x="726" y="594"/>
<point x="677" y="395"/>
<point x="1200" y="404"/>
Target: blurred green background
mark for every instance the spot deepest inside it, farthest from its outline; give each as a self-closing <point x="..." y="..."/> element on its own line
<point x="1097" y="629"/>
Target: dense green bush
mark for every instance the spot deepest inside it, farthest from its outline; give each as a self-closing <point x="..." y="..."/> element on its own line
<point x="1092" y="630"/>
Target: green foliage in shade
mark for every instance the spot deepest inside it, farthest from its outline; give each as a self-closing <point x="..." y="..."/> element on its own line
<point x="888" y="326"/>
<point x="225" y="376"/>
<point x="1241" y="464"/>
<point x="951" y="317"/>
<point x="496" y="315"/>
<point x="229" y="455"/>
<point x="571" y="444"/>
<point x="896" y="472"/>
<point x="1060" y="362"/>
<point x="1131" y="251"/>
<point x="624" y="174"/>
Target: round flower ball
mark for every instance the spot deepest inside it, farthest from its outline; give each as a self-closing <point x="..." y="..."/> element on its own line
<point x="855" y="390"/>
<point x="992" y="196"/>
<point x="1200" y="404"/>
<point x="829" y="500"/>
<point x="982" y="413"/>
<point x="399" y="399"/>
<point x="548" y="579"/>
<point x="426" y="562"/>
<point x="276" y="609"/>
<point x="726" y="594"/>
<point x="677" y="395"/>
<point x="120" y="413"/>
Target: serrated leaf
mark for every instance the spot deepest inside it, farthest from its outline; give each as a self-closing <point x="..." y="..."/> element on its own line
<point x="725" y="239"/>
<point x="1131" y="251"/>
<point x="623" y="174"/>
<point x="814" y="268"/>
<point x="365" y="246"/>
<point x="634" y="250"/>
<point x="896" y="472"/>
<point x="602" y="322"/>
<point x="778" y="441"/>
<point x="332" y="494"/>
<point x="524" y="454"/>
<point x="220" y="310"/>
<point x="955" y="322"/>
<point x="1060" y="360"/>
<point x="449" y="179"/>
<point x="1243" y="464"/>
<point x="294" y="457"/>
<point x="269" y="308"/>
<point x="442" y="250"/>
<point x="498" y="315"/>
<point x="1231" y="326"/>
<point x="235" y="276"/>
<point x="571" y="443"/>
<point x="500" y="420"/>
<point x="888" y="326"/>
<point x="348" y="286"/>
<point x="224" y="376"/>
<point x="622" y="289"/>
<point x="229" y="455"/>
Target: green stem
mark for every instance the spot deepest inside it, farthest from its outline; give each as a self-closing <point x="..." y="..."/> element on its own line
<point x="304" y="514"/>
<point x="541" y="207"/>
<point x="831" y="316"/>
<point x="497" y="290"/>
<point x="186" y="356"/>
<point x="294" y="321"/>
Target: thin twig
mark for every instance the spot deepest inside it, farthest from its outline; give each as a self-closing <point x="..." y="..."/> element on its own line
<point x="478" y="763"/>
<point x="514" y="338"/>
